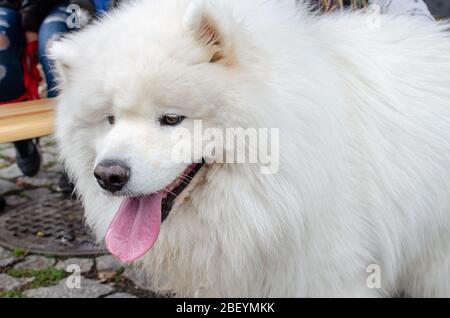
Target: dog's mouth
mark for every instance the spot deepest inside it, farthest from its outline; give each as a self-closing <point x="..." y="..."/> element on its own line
<point x="176" y="188"/>
<point x="135" y="228"/>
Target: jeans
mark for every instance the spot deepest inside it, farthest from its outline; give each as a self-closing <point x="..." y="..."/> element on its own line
<point x="101" y="6"/>
<point x="12" y="42"/>
<point x="52" y="28"/>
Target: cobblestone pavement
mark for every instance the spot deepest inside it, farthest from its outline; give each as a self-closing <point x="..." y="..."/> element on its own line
<point x="26" y="275"/>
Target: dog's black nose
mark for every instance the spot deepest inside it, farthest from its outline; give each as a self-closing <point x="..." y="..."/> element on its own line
<point x="112" y="175"/>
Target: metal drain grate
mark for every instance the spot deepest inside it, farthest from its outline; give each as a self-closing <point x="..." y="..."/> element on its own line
<point x="52" y="227"/>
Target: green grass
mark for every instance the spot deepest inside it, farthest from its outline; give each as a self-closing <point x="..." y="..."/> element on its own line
<point x="11" y="294"/>
<point x="19" y="252"/>
<point x="42" y="277"/>
<point x="119" y="273"/>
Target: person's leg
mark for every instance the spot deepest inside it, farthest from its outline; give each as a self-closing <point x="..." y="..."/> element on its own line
<point x="11" y="48"/>
<point x="12" y="42"/>
<point x="102" y="6"/>
<point x="28" y="157"/>
<point x="53" y="27"/>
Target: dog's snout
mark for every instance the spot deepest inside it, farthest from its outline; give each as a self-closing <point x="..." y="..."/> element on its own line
<point x="112" y="175"/>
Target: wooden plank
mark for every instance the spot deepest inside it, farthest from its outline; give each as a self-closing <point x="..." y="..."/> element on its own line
<point x="26" y="120"/>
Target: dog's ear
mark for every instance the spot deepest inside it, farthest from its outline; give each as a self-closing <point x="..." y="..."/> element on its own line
<point x="63" y="55"/>
<point x="210" y="30"/>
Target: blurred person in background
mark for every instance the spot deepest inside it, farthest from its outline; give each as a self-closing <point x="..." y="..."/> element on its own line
<point x="56" y="25"/>
<point x="19" y="76"/>
<point x="27" y="29"/>
<point x="53" y="27"/>
<point x="20" y="22"/>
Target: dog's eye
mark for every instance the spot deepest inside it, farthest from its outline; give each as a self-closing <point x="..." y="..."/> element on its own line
<point x="171" y="120"/>
<point x="111" y="119"/>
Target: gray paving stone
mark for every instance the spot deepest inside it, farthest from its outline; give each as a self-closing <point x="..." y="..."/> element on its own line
<point x="8" y="153"/>
<point x="52" y="177"/>
<point x="7" y="261"/>
<point x="48" y="142"/>
<point x="9" y="283"/>
<point x="50" y="162"/>
<point x="49" y="157"/>
<point x="5" y="146"/>
<point x="4" y="252"/>
<point x="38" y="181"/>
<point x="108" y="263"/>
<point x="54" y="168"/>
<point x="85" y="264"/>
<point x="139" y="277"/>
<point x="4" y="163"/>
<point x="40" y="194"/>
<point x="4" y="262"/>
<point x="14" y="200"/>
<point x="6" y="257"/>
<point x="5" y="185"/>
<point x="10" y="172"/>
<point x="88" y="289"/>
<point x="121" y="295"/>
<point x="35" y="262"/>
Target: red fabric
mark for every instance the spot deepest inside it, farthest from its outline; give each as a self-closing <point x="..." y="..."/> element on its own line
<point x="31" y="76"/>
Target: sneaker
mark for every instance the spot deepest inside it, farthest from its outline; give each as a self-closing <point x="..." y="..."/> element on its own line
<point x="28" y="157"/>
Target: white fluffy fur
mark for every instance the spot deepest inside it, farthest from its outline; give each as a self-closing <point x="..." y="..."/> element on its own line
<point x="364" y="118"/>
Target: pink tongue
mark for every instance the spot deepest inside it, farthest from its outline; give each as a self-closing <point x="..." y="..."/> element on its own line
<point x="135" y="228"/>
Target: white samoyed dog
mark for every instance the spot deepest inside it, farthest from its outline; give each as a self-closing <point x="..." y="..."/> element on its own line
<point x="360" y="203"/>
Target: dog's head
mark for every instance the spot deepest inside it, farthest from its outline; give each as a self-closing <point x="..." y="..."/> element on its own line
<point x="127" y="85"/>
